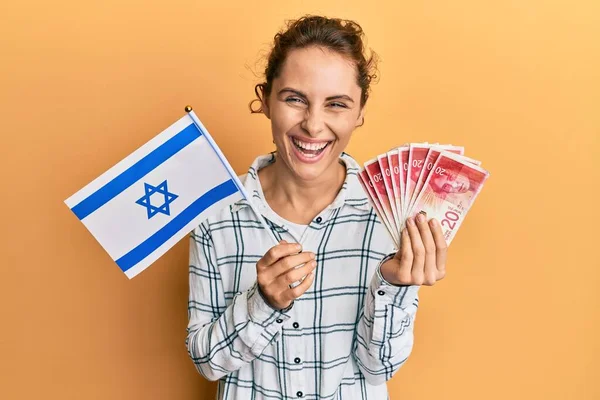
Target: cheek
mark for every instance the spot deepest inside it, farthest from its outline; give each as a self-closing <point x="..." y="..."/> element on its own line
<point x="343" y="128"/>
<point x="284" y="118"/>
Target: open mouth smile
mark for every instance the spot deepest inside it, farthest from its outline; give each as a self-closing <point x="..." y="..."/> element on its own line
<point x="309" y="151"/>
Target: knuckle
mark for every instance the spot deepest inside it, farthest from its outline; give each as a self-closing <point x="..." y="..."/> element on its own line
<point x="289" y="278"/>
<point x="259" y="265"/>
<point x="269" y="256"/>
<point x="288" y="263"/>
<point x="418" y="279"/>
<point x="429" y="280"/>
<point x="419" y="251"/>
<point x="430" y="249"/>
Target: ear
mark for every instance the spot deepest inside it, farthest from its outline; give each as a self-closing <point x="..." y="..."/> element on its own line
<point x="264" y="99"/>
<point x="361" y="117"/>
<point x="265" y="107"/>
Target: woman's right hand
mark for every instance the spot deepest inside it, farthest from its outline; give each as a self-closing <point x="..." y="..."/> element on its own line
<point x="276" y="271"/>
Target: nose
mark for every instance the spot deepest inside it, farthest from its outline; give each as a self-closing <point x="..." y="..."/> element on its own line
<point x="313" y="122"/>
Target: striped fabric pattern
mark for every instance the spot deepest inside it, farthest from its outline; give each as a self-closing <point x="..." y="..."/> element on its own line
<point x="343" y="339"/>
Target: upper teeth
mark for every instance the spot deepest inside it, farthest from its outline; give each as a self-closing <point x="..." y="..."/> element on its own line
<point x="310" y="146"/>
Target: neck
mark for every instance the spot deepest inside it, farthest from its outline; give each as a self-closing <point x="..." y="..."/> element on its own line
<point x="300" y="200"/>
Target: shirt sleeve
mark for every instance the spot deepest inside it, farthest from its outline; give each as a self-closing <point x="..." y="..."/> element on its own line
<point x="385" y="329"/>
<point x="221" y="337"/>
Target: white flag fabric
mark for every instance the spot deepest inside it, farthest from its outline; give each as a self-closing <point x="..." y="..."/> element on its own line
<point x="146" y="203"/>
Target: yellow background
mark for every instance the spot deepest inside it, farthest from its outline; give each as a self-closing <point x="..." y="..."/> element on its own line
<point x="84" y="83"/>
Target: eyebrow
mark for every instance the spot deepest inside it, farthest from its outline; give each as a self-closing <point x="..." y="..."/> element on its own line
<point x="299" y="93"/>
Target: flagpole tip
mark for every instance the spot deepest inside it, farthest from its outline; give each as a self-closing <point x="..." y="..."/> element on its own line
<point x="188" y="108"/>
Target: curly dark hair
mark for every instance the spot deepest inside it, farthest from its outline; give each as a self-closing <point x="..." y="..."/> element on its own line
<point x="342" y="36"/>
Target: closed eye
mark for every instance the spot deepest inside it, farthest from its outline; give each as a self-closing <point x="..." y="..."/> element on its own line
<point x="294" y="100"/>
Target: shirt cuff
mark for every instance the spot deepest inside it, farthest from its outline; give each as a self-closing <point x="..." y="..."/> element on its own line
<point x="388" y="293"/>
<point x="288" y="308"/>
<point x="261" y="312"/>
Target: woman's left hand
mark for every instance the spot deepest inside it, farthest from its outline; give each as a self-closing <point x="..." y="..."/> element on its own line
<point x="421" y="259"/>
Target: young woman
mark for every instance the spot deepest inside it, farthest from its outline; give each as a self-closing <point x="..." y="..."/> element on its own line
<point x="348" y="326"/>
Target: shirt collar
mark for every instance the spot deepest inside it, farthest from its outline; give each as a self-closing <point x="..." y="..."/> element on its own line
<point x="351" y="193"/>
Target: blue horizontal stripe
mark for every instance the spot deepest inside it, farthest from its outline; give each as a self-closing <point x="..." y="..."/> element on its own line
<point x="137" y="171"/>
<point x="149" y="245"/>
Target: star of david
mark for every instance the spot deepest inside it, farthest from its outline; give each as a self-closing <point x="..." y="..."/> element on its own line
<point x="160" y="189"/>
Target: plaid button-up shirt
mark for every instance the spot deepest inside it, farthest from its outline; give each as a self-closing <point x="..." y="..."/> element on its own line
<point x="343" y="339"/>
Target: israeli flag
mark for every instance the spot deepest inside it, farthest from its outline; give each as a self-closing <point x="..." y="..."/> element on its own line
<point x="146" y="203"/>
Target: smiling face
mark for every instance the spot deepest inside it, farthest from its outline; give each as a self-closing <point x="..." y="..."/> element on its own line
<point x="314" y="106"/>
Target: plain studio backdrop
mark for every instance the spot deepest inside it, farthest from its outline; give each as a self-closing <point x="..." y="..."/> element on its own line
<point x="84" y="83"/>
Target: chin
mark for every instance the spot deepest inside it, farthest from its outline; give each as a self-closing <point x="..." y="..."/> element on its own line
<point x="307" y="173"/>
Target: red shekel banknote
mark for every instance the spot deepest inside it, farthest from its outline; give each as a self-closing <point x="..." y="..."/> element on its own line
<point x="370" y="191"/>
<point x="375" y="175"/>
<point x="386" y="173"/>
<point x="449" y="192"/>
<point x="416" y="158"/>
<point x="430" y="159"/>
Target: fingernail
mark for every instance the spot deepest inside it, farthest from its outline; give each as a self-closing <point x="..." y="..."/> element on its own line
<point x="312" y="256"/>
<point x="411" y="222"/>
<point x="298" y="247"/>
<point x="420" y="218"/>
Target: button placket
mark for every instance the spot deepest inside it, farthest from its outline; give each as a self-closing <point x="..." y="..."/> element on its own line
<point x="296" y="354"/>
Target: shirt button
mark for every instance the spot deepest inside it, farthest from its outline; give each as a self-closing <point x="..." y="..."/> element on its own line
<point x="279" y="320"/>
<point x="319" y="219"/>
<point x="296" y="325"/>
<point x="381" y="293"/>
<point x="299" y="394"/>
<point x="297" y="360"/>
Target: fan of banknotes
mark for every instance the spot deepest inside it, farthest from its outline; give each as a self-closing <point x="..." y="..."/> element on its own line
<point x="436" y="180"/>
